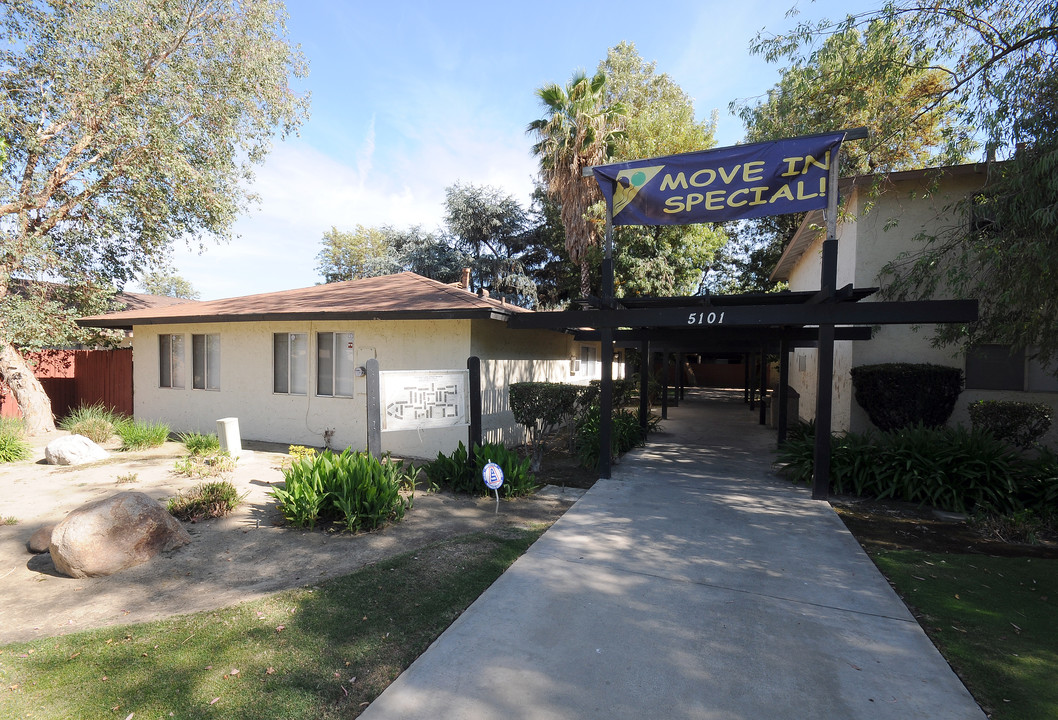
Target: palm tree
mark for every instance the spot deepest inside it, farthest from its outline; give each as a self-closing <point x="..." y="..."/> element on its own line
<point x="578" y="131"/>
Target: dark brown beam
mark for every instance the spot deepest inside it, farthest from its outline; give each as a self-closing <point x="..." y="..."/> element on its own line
<point x="868" y="313"/>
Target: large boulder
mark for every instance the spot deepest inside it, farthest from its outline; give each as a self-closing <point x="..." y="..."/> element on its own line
<point x="73" y="450"/>
<point x="110" y="535"/>
<point x="40" y="540"/>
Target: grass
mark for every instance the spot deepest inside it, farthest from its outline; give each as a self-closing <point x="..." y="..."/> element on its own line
<point x="321" y="652"/>
<point x="8" y="520"/>
<point x="200" y="466"/>
<point x="140" y="434"/>
<point x="208" y="500"/>
<point x="96" y="422"/>
<point x="200" y="443"/>
<point x="993" y="619"/>
<point x="13" y="445"/>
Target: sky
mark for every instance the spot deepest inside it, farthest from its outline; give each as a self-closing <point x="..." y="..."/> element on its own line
<point x="409" y="97"/>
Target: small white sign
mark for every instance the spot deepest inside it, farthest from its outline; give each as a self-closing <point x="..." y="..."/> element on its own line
<point x="492" y="474"/>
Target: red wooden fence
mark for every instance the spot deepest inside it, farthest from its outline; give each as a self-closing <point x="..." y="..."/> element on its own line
<point x="79" y="377"/>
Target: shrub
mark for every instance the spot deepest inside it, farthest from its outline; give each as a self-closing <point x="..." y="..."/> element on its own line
<point x="95" y="422"/>
<point x="949" y="468"/>
<point x="541" y="407"/>
<point x="355" y="489"/>
<point x="625" y="435"/>
<point x="211" y="465"/>
<point x="140" y="434"/>
<point x="200" y="444"/>
<point x="1019" y="423"/>
<point x="300" y="452"/>
<point x="897" y="395"/>
<point x="13" y="445"/>
<point x="625" y="391"/>
<point x="208" y="500"/>
<point x="459" y="472"/>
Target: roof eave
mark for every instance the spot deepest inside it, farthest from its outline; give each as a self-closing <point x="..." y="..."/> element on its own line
<point x="104" y="321"/>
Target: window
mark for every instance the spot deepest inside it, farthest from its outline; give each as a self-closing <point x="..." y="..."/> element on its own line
<point x="171" y="361"/>
<point x="587" y="360"/>
<point x="205" y="362"/>
<point x="290" y="371"/>
<point x="335" y="364"/>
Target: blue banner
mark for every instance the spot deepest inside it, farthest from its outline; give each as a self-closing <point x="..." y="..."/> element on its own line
<point x="732" y="183"/>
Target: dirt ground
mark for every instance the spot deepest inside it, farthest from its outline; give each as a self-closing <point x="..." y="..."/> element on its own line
<point x="894" y="525"/>
<point x="230" y="560"/>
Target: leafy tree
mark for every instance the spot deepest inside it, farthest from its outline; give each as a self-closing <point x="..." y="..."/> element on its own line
<point x="374" y="251"/>
<point x="428" y="254"/>
<point x="128" y="125"/>
<point x="491" y="227"/>
<point x="578" y="130"/>
<point x="659" y="120"/>
<point x="998" y="58"/>
<point x="557" y="281"/>
<point x="168" y="284"/>
<point x="364" y="252"/>
<point x="867" y="74"/>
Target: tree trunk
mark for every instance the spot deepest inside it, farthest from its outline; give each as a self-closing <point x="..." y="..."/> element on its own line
<point x="585" y="278"/>
<point x="29" y="393"/>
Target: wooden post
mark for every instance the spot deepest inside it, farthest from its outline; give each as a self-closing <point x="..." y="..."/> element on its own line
<point x="644" y="385"/>
<point x="745" y="379"/>
<point x="828" y="282"/>
<point x="763" y="386"/>
<point x="374" y="409"/>
<point x="474" y="431"/>
<point x="665" y="385"/>
<point x="784" y="381"/>
<point x="606" y="384"/>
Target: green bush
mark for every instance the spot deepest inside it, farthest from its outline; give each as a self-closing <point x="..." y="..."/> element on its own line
<point x="141" y="434"/>
<point x="459" y="472"/>
<point x="354" y="488"/>
<point x="95" y="422"/>
<point x="625" y="435"/>
<point x="13" y="445"/>
<point x="541" y="407"/>
<point x="208" y="500"/>
<point x="897" y="395"/>
<point x="1021" y="424"/>
<point x="199" y="444"/>
<point x="625" y="392"/>
<point x="948" y="468"/>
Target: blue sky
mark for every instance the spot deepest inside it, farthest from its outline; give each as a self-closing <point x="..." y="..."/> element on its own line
<point x="410" y="97"/>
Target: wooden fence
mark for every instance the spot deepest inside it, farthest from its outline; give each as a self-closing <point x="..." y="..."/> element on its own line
<point x="79" y="377"/>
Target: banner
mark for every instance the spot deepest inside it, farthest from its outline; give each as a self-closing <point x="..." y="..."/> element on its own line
<point x="732" y="183"/>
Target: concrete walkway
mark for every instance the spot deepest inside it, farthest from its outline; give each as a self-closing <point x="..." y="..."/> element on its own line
<point x="694" y="584"/>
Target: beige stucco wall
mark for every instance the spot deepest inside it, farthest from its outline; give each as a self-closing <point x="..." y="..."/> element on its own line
<point x="885" y="227"/>
<point x="246" y="379"/>
<point x="511" y="356"/>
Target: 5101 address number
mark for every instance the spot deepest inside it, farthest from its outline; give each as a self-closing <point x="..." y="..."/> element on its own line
<point x="703" y="318"/>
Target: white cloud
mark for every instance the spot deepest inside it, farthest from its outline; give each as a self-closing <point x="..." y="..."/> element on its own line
<point x="304" y="192"/>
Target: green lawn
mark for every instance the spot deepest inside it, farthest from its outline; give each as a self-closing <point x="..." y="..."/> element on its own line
<point x="994" y="619"/>
<point x="320" y="652"/>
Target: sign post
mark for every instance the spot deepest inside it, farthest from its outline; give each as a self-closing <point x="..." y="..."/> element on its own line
<point x="492" y="474"/>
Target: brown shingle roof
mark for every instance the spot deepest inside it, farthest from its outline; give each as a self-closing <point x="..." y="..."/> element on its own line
<point x="402" y="296"/>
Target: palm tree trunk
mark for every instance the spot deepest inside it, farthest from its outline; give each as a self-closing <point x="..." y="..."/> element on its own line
<point x="585" y="278"/>
<point x="29" y="393"/>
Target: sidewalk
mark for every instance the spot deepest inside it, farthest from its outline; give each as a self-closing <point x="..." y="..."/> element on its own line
<point x="694" y="584"/>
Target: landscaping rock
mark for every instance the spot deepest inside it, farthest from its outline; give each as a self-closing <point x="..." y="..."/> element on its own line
<point x="40" y="540"/>
<point x="110" y="535"/>
<point x="73" y="450"/>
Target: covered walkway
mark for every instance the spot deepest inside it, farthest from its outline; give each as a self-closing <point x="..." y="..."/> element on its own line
<point x="693" y="584"/>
